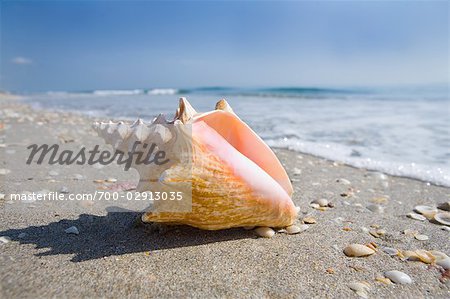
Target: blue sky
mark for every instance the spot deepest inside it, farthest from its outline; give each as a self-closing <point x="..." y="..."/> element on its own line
<point x="82" y="45"/>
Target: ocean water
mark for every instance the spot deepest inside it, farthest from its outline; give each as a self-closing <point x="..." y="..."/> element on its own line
<point x="404" y="132"/>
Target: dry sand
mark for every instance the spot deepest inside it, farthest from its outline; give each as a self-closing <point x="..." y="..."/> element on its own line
<point x="112" y="257"/>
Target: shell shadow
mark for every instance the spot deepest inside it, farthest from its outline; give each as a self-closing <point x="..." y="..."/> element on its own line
<point x="115" y="234"/>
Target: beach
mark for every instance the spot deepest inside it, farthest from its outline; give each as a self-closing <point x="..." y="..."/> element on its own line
<point x="113" y="255"/>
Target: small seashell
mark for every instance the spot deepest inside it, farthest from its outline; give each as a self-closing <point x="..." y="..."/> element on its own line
<point x="111" y="180"/>
<point x="53" y="173"/>
<point x="4" y="171"/>
<point x="360" y="288"/>
<point x="64" y="190"/>
<point x="297" y="209"/>
<point x="249" y="227"/>
<point x="379" y="200"/>
<point x="303" y="227"/>
<point x="438" y="254"/>
<point x="421" y="237"/>
<point x="372" y="245"/>
<point x="444" y="206"/>
<point x="444" y="263"/>
<point x="383" y="279"/>
<point x="98" y="181"/>
<point x="410" y="255"/>
<point x="343" y="181"/>
<point x="378" y="233"/>
<point x="398" y="277"/>
<point x="410" y="232"/>
<point x="78" y="177"/>
<point x="322" y="202"/>
<point x="364" y="229"/>
<point x="309" y="220"/>
<point x="265" y="232"/>
<point x="297" y="171"/>
<point x="416" y="216"/>
<point x="443" y="218"/>
<point x="358" y="250"/>
<point x="446" y="228"/>
<point x="426" y="211"/>
<point x="72" y="230"/>
<point x="330" y="271"/>
<point x="314" y="206"/>
<point x="390" y="251"/>
<point x="375" y="208"/>
<point x="293" y="229"/>
<point x="425" y="256"/>
<point x="5" y="239"/>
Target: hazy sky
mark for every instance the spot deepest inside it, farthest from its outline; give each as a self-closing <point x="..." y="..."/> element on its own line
<point x="85" y="45"/>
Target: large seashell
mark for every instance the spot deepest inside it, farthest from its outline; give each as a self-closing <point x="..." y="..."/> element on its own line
<point x="231" y="177"/>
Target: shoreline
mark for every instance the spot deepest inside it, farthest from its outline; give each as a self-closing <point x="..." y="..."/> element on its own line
<point x="110" y="257"/>
<point x="91" y="118"/>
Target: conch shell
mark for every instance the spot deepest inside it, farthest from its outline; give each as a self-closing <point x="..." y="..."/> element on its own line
<point x="230" y="176"/>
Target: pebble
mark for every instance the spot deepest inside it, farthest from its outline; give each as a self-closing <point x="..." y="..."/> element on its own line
<point x="78" y="177"/>
<point x="444" y="206"/>
<point x="265" y="232"/>
<point x="111" y="180"/>
<point x="293" y="229"/>
<point x="64" y="190"/>
<point x="322" y="202"/>
<point x="5" y="239"/>
<point x="2" y="196"/>
<point x="398" y="277"/>
<point x="53" y="173"/>
<point x="72" y="230"/>
<point x="390" y="251"/>
<point x="375" y="209"/>
<point x="364" y="229"/>
<point x="297" y="171"/>
<point x="4" y="171"/>
<point x="421" y="237"/>
<point x="358" y="250"/>
<point x="360" y="288"/>
<point x="443" y="218"/>
<point x="343" y="181"/>
<point x="416" y="216"/>
<point x="309" y="220"/>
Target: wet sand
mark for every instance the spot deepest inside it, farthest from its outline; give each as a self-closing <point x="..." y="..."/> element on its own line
<point x="113" y="257"/>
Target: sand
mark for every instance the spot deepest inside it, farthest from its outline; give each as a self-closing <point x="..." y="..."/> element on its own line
<point x="114" y="257"/>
